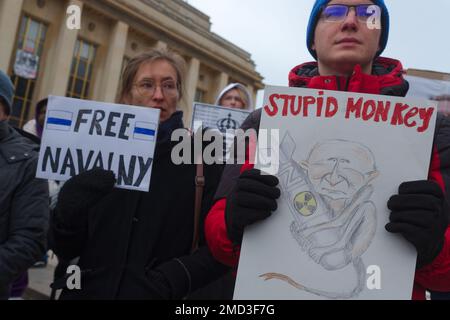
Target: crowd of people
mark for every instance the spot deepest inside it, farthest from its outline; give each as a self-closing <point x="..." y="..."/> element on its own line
<point x="182" y="238"/>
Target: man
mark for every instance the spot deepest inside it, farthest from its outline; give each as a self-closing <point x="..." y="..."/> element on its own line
<point x="23" y="198"/>
<point x="346" y="43"/>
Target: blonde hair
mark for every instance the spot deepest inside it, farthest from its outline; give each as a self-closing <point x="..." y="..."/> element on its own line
<point x="132" y="68"/>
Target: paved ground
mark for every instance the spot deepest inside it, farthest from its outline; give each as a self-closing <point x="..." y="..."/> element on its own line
<point x="40" y="280"/>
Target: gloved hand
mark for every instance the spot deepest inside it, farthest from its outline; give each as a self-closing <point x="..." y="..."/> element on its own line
<point x="80" y="193"/>
<point x="420" y="213"/>
<point x="252" y="199"/>
<point x="159" y="284"/>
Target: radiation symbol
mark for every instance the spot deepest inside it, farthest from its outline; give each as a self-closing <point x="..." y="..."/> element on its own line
<point x="305" y="203"/>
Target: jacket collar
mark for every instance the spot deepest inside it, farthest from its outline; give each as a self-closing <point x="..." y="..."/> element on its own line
<point x="386" y="78"/>
<point x="166" y="128"/>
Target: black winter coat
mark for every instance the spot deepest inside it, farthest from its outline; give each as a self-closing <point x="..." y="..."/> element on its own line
<point x="130" y="233"/>
<point x="24" y="207"/>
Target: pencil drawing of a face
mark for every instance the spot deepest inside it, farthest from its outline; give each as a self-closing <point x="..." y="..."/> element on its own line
<point x="337" y="169"/>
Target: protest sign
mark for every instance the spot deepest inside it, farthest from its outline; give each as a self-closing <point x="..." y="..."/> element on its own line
<point x="340" y="157"/>
<point x="26" y="64"/>
<point x="216" y="117"/>
<point x="225" y="120"/>
<point x="80" y="135"/>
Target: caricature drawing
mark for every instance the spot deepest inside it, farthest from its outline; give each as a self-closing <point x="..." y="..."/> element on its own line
<point x="329" y="193"/>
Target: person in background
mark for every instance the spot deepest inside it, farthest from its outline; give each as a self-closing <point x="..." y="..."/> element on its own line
<point x="36" y="125"/>
<point x="235" y="96"/>
<point x="24" y="209"/>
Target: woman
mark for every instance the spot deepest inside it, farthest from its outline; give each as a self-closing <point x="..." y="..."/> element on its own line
<point x="236" y="96"/>
<point x="136" y="245"/>
<point x="36" y="126"/>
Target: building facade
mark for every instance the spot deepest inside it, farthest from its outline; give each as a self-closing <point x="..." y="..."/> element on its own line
<point x="46" y="56"/>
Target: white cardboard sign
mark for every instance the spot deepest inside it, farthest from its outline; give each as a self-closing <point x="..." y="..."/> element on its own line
<point x="225" y="120"/>
<point x="341" y="156"/>
<point x="217" y="117"/>
<point x="80" y="135"/>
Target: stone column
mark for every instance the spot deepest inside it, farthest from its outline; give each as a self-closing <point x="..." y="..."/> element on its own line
<point x="56" y="75"/>
<point x="10" y="11"/>
<point x="113" y="63"/>
<point x="221" y="82"/>
<point x="189" y="90"/>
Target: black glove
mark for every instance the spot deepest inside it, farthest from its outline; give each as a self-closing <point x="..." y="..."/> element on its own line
<point x="80" y="193"/>
<point x="420" y="213"/>
<point x="159" y="284"/>
<point x="252" y="199"/>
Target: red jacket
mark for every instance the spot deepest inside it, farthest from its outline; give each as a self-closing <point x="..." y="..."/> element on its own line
<point x="387" y="79"/>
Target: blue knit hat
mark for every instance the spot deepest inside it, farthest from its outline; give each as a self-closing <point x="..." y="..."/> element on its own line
<point x="314" y="17"/>
<point x="6" y="91"/>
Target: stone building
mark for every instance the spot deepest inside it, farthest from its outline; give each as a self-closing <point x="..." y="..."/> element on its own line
<point x="46" y="57"/>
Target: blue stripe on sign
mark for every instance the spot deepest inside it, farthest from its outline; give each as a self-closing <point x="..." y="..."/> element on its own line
<point x="148" y="132"/>
<point x="62" y="122"/>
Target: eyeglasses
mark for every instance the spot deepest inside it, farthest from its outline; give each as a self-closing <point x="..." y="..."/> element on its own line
<point x="338" y="12"/>
<point x="146" y="88"/>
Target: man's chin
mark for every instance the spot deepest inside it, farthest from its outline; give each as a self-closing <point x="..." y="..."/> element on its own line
<point x="348" y="59"/>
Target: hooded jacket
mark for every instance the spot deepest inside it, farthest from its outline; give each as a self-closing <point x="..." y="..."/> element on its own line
<point x="386" y="79"/>
<point x="24" y="209"/>
<point x="232" y="86"/>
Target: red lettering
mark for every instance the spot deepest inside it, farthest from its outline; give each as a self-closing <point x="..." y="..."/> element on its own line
<point x="397" y="117"/>
<point x="306" y="102"/>
<point x="425" y="115"/>
<point x="299" y="105"/>
<point x="411" y="113"/>
<point x="285" y="97"/>
<point x="273" y="104"/>
<point x="368" y="110"/>
<point x="331" y="108"/>
<point x="352" y="107"/>
<point x="319" y="104"/>
<point x="382" y="111"/>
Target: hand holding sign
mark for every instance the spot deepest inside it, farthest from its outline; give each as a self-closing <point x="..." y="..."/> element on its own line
<point x="82" y="192"/>
<point x="253" y="199"/>
<point x="420" y="213"/>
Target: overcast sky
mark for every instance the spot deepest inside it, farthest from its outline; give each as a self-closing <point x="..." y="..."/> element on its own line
<point x="273" y="32"/>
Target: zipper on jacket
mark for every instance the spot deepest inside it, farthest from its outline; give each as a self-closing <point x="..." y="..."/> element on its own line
<point x="347" y="83"/>
<point x="338" y="82"/>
